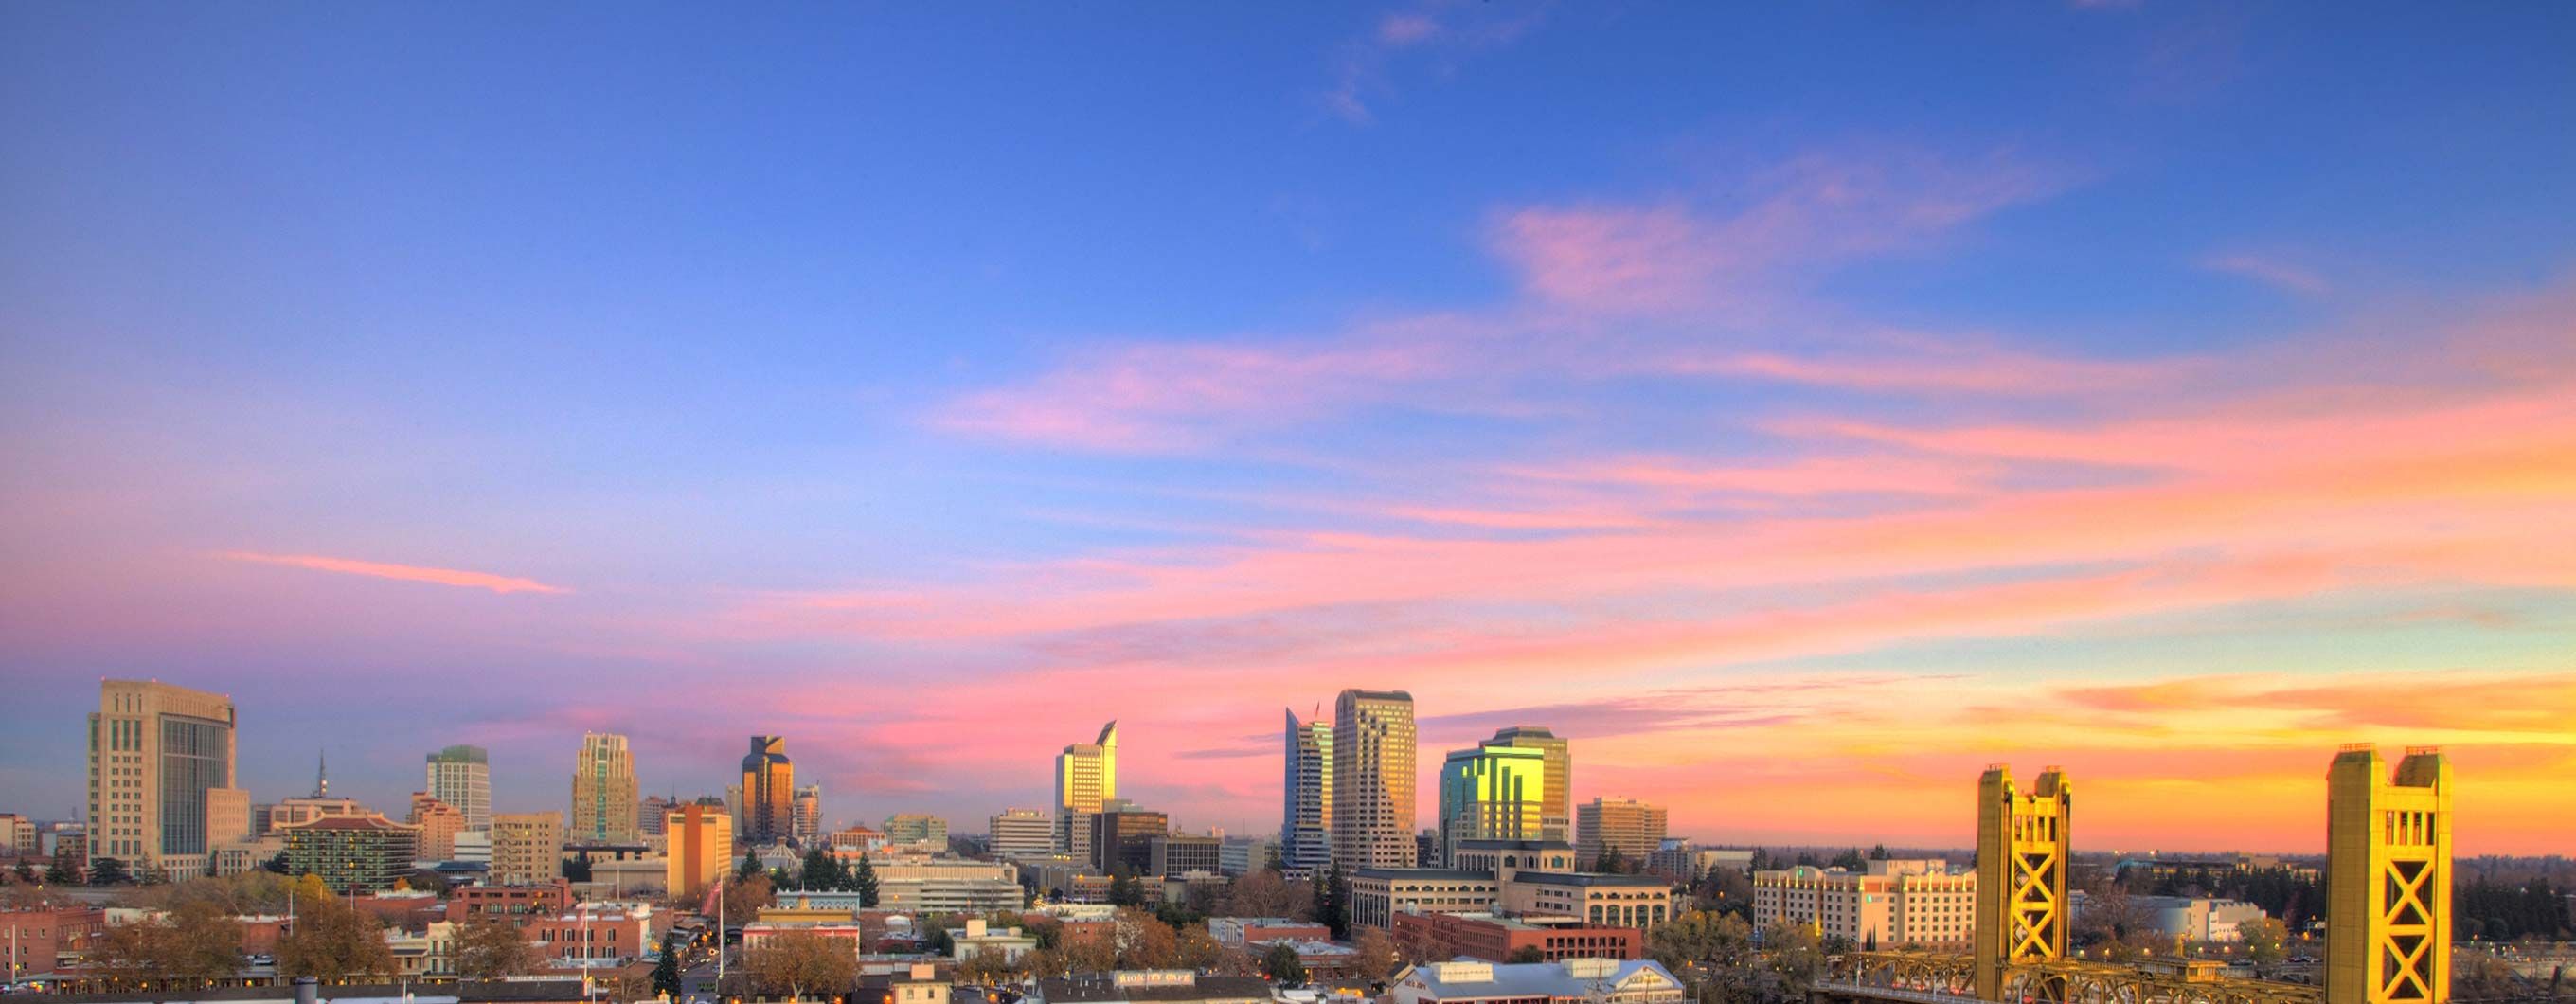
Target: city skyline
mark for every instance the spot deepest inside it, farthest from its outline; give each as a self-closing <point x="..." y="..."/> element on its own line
<point x="2163" y="393"/>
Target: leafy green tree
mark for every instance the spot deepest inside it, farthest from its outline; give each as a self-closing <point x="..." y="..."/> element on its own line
<point x="1124" y="890"/>
<point x="1796" y="958"/>
<point x="820" y="871"/>
<point x="863" y="878"/>
<point x="1332" y="904"/>
<point x="1610" y="861"/>
<point x="577" y="869"/>
<point x="2265" y="942"/>
<point x="1851" y="860"/>
<point x="1713" y="952"/>
<point x="750" y="865"/>
<point x="25" y="872"/>
<point x="1281" y="964"/>
<point x="107" y="871"/>
<point x="276" y="864"/>
<point x="59" y="873"/>
<point x="1525" y="954"/>
<point x="1878" y="852"/>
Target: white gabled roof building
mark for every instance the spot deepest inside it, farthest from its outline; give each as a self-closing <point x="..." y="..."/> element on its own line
<point x="1573" y="981"/>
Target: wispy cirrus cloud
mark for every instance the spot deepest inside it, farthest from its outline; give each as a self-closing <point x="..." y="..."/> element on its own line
<point x="2269" y="270"/>
<point x="405" y="573"/>
<point x="1365" y="70"/>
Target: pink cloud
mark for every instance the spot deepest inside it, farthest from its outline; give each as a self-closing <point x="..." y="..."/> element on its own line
<point x="1170" y="396"/>
<point x="2269" y="271"/>
<point x="405" y="573"/>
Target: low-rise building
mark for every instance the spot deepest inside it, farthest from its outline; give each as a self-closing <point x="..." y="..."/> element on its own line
<point x="1014" y="833"/>
<point x="513" y="903"/>
<point x="427" y="953"/>
<point x="1686" y="863"/>
<point x="1641" y="901"/>
<point x="1237" y="932"/>
<point x="1378" y="894"/>
<point x="2196" y="918"/>
<point x="1496" y="938"/>
<point x="1892" y="904"/>
<point x="595" y="933"/>
<point x="1158" y="986"/>
<point x="977" y="937"/>
<point x="47" y="940"/>
<point x="1175" y="855"/>
<point x="918" y="829"/>
<point x="1573" y="981"/>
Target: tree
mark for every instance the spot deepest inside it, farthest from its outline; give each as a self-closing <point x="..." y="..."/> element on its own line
<point x="1374" y="958"/>
<point x="107" y="871"/>
<point x="25" y="872"/>
<point x="986" y="965"/>
<point x="796" y="961"/>
<point x="1610" y="861"/>
<point x="1268" y="894"/>
<point x="1713" y="951"/>
<point x="1851" y="860"/>
<point x="2265" y="939"/>
<point x="331" y="940"/>
<point x="821" y="871"/>
<point x="1878" y="852"/>
<point x="1144" y="941"/>
<point x="577" y="869"/>
<point x="1196" y="949"/>
<point x="1331" y="906"/>
<point x="750" y="865"/>
<point x="59" y="873"/>
<point x="1796" y="958"/>
<point x="1281" y="964"/>
<point x="276" y="864"/>
<point x="864" y="879"/>
<point x="184" y="949"/>
<point x="1525" y="954"/>
<point x="488" y="949"/>
<point x="1124" y="890"/>
<point x="666" y="970"/>
<point x="744" y="898"/>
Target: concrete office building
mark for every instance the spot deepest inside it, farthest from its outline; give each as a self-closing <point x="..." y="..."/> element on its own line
<point x="1893" y="904"/>
<point x="1491" y="792"/>
<point x="767" y="804"/>
<point x="1086" y="775"/>
<point x="1373" y="780"/>
<point x="807" y="827"/>
<point x="698" y="846"/>
<point x="1306" y="798"/>
<point x="1176" y="855"/>
<point x="1556" y="805"/>
<point x="438" y="824"/>
<point x="462" y="776"/>
<point x="917" y="829"/>
<point x="155" y="751"/>
<point x="652" y="813"/>
<point x="603" y="791"/>
<point x="1633" y="828"/>
<point x="1121" y="839"/>
<point x="527" y="848"/>
<point x="1020" y="833"/>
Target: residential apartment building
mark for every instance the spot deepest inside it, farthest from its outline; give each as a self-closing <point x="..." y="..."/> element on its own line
<point x="1086" y="776"/>
<point x="438" y="823"/>
<point x="1020" y="833"/>
<point x="352" y="854"/>
<point x="527" y="848"/>
<point x="1373" y="780"/>
<point x="604" y="792"/>
<point x="155" y="752"/>
<point x="462" y="776"/>
<point x="1630" y="827"/>
<point x="1893" y="904"/>
<point x="1306" y="798"/>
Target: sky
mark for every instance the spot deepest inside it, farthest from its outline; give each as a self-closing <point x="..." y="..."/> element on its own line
<point x="1798" y="406"/>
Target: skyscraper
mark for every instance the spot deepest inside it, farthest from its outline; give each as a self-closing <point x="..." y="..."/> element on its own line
<point x="1306" y="797"/>
<point x="807" y="827"/>
<point x="1490" y="792"/>
<point x="1086" y="774"/>
<point x="1630" y="827"/>
<point x="155" y="750"/>
<point x="603" y="791"/>
<point x="1556" y="812"/>
<point x="768" y="792"/>
<point x="1373" y="780"/>
<point x="461" y="776"/>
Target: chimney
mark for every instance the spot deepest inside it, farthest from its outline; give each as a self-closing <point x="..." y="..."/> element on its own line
<point x="307" y="990"/>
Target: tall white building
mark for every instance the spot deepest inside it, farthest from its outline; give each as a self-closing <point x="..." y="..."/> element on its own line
<point x="1020" y="832"/>
<point x="461" y="776"/>
<point x="156" y="752"/>
<point x="603" y="792"/>
<point x="1373" y="780"/>
<point x="1306" y="797"/>
<point x="1086" y="774"/>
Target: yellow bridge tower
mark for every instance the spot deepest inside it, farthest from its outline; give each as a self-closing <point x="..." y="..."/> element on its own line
<point x="2388" y="878"/>
<point x="2021" y="874"/>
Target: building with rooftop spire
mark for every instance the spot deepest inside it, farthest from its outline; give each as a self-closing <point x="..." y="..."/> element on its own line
<point x="1086" y="775"/>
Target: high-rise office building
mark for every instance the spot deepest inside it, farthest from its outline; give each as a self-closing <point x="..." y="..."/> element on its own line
<point x="1122" y="838"/>
<point x="768" y="806"/>
<point x="1306" y="797"/>
<point x="527" y="848"/>
<point x="1086" y="774"/>
<point x="1019" y="832"/>
<point x="1373" y="780"/>
<point x="1491" y="792"/>
<point x="438" y="823"/>
<point x="1556" y="812"/>
<point x="653" y="813"/>
<point x="1631" y="827"/>
<point x="155" y="751"/>
<point x="700" y="841"/>
<point x="462" y="776"/>
<point x="603" y="791"/>
<point x="807" y="827"/>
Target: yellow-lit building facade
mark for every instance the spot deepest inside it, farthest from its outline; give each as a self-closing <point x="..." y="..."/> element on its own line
<point x="2388" y="878"/>
<point x="699" y="847"/>
<point x="1895" y="904"/>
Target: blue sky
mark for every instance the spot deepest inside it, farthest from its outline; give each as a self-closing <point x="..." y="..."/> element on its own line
<point x="913" y="358"/>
